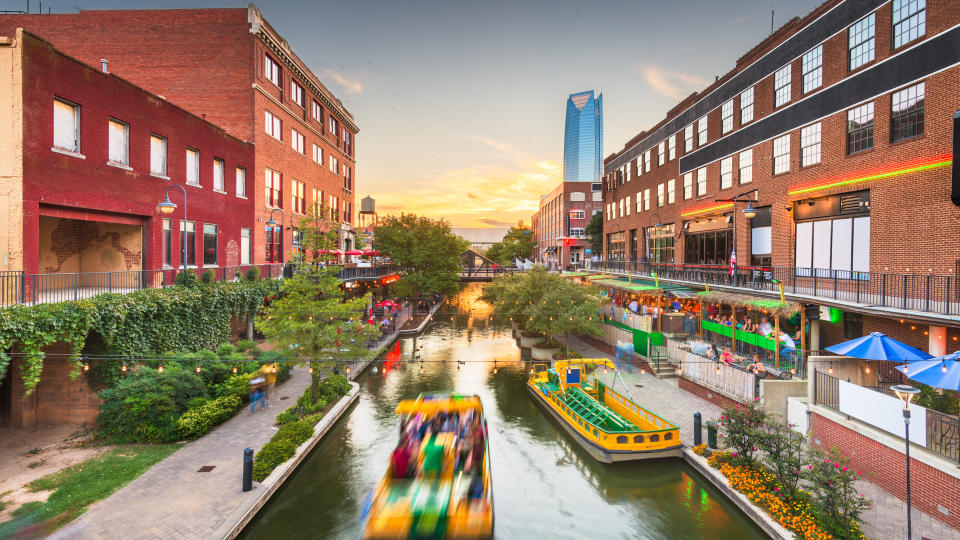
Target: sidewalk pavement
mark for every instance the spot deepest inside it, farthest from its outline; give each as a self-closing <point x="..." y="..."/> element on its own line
<point x="172" y="499"/>
<point x="885" y="519"/>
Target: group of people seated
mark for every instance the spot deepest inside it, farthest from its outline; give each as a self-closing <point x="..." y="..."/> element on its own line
<point x="763" y="328"/>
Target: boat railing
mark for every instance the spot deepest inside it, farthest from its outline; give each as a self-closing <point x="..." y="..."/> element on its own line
<point x="630" y="405"/>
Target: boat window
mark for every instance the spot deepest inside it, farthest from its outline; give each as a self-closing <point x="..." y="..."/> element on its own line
<point x="622" y="439"/>
<point x="667" y="436"/>
<point x="595" y="434"/>
<point x="638" y="439"/>
<point x="659" y="423"/>
<point x="654" y="438"/>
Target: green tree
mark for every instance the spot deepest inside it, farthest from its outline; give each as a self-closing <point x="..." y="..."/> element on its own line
<point x="317" y="233"/>
<point x="517" y="243"/>
<point x="594" y="230"/>
<point x="425" y="249"/>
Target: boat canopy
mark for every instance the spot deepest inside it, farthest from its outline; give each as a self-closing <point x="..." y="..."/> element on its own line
<point x="560" y="365"/>
<point x="430" y="405"/>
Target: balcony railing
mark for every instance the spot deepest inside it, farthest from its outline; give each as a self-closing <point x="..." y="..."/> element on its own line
<point x="917" y="292"/>
<point x="367" y="272"/>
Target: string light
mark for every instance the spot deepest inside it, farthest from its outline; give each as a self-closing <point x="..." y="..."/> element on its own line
<point x="235" y="369"/>
<point x="913" y="327"/>
<point x="830" y="369"/>
<point x="718" y="368"/>
<point x="123" y="367"/>
<point x="86" y="366"/>
<point x="867" y="369"/>
<point x="421" y="368"/>
<point x="311" y="369"/>
<point x="160" y="369"/>
<point x="197" y="369"/>
<point x="348" y="370"/>
<point x="679" y="370"/>
<point x="943" y="367"/>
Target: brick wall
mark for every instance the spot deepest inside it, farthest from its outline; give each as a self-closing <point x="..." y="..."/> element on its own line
<point x="886" y="467"/>
<point x="706" y="394"/>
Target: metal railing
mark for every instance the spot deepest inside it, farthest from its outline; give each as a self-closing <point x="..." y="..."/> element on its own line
<point x="367" y="272"/>
<point x="918" y="292"/>
<point x="826" y="390"/>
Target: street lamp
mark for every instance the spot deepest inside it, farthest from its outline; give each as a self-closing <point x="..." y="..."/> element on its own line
<point x="906" y="393"/>
<point x="748" y="212"/>
<point x="167" y="207"/>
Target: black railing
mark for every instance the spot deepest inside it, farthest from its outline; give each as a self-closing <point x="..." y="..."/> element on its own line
<point x="826" y="390"/>
<point x="918" y="292"/>
<point x="367" y="272"/>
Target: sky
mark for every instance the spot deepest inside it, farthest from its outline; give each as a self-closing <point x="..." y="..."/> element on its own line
<point x="461" y="104"/>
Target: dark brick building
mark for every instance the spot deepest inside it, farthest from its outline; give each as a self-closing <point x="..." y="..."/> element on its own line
<point x="231" y="67"/>
<point x="91" y="157"/>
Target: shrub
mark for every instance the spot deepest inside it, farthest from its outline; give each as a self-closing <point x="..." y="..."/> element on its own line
<point x="197" y="402"/>
<point x="783" y="450"/>
<point x="186" y="278"/>
<point x="245" y="345"/>
<point x="145" y="406"/>
<point x="280" y="448"/>
<point x="253" y="273"/>
<point x="237" y="385"/>
<point x="741" y="426"/>
<point x="198" y="421"/>
<point x="333" y="387"/>
<point x="837" y="501"/>
<point x="287" y="416"/>
<point x="307" y="405"/>
<point x="208" y="276"/>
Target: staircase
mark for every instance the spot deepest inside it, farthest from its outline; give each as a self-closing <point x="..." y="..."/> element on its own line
<point x="662" y="369"/>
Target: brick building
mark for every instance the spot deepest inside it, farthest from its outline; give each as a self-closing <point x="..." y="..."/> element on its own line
<point x="87" y="158"/>
<point x="558" y="226"/>
<point x="231" y="67"/>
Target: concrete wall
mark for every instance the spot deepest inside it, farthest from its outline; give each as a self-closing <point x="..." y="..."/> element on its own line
<point x="774" y="394"/>
<point x="11" y="156"/>
<point x="844" y="368"/>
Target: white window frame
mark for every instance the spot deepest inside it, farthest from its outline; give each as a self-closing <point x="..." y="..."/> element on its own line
<point x="781" y="154"/>
<point x="69" y="142"/>
<point x="317" y="113"/>
<point x="646" y="199"/>
<point x="646" y="161"/>
<point x="661" y="195"/>
<point x="296" y="93"/>
<point x="810" y="145"/>
<point x="271" y="70"/>
<point x="781" y="86"/>
<point x="119" y="149"/>
<point x="726" y="116"/>
<point x="661" y="153"/>
<point x="246" y="246"/>
<point x="672" y="147"/>
<point x="746" y="106"/>
<point x="297" y="141"/>
<point x="317" y="154"/>
<point x="702" y="131"/>
<point x="688" y="139"/>
<point x="671" y="191"/>
<point x="219" y="180"/>
<point x="862" y="42"/>
<point x="811" y="67"/>
<point x="334" y="164"/>
<point x="273" y="125"/>
<point x="577" y="214"/>
<point x="158" y="155"/>
<point x="240" y="180"/>
<point x="701" y="181"/>
<point x="627" y="204"/>
<point x="687" y="186"/>
<point x="192" y="173"/>
<point x="745" y="164"/>
<point x="726" y="172"/>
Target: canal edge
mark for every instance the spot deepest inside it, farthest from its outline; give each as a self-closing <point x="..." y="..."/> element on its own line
<point x="231" y="527"/>
<point x="754" y="512"/>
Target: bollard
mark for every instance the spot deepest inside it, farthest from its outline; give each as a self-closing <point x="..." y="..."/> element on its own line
<point x="247" y="469"/>
<point x="697" y="430"/>
<point x="712" y="434"/>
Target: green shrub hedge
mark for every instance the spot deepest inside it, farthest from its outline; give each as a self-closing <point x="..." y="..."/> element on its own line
<point x="145" y="405"/>
<point x="198" y="421"/>
<point x="281" y="447"/>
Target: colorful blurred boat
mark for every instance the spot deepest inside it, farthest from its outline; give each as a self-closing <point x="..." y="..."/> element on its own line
<point x="607" y="424"/>
<point x="447" y="496"/>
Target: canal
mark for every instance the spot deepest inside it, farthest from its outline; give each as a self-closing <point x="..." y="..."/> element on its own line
<point x="543" y="483"/>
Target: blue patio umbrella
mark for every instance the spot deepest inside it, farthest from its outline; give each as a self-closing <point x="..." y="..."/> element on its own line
<point x="941" y="372"/>
<point x="879" y="346"/>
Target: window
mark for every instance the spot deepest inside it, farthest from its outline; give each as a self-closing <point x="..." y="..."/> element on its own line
<point x="576" y="196"/>
<point x="646" y="161"/>
<point x="241" y="181"/>
<point x="810" y="145"/>
<point x="119" y="141"/>
<point x="661" y="153"/>
<point x="298" y="197"/>
<point x="712" y="247"/>
<point x="861" y="41"/>
<point x="317" y="154"/>
<point x="906" y="113"/>
<point x="296" y="242"/>
<point x="746" y="106"/>
<point x="746" y="166"/>
<point x="318" y="113"/>
<point x="781" y="154"/>
<point x="334" y="127"/>
<point x="701" y="181"/>
<point x="347" y="178"/>
<point x="166" y="242"/>
<point x="860" y="128"/>
<point x="577" y="214"/>
<point x="246" y="246"/>
<point x="671" y="191"/>
<point x="841" y="244"/>
<point x="726" y="173"/>
<point x="646" y="199"/>
<point x="296" y="93"/>
<point x="627" y="204"/>
<point x="193" y="166"/>
<point x="218" y="183"/>
<point x="626" y="172"/>
<point x="761" y="237"/>
<point x="812" y="68"/>
<point x="672" y="147"/>
<point x="597" y="196"/>
<point x="209" y="244"/>
<point x="158" y="155"/>
<point x="347" y="143"/>
<point x="272" y="186"/>
<point x="688" y="186"/>
<point x="66" y="125"/>
<point x="661" y="195"/>
<point x="274" y="245"/>
<point x="852" y="325"/>
<point x="702" y="131"/>
<point x="621" y="208"/>
<point x="596" y="186"/>
<point x="909" y="21"/>
<point x="688" y="138"/>
<point x="334" y="207"/>
<point x="726" y="117"/>
<point x="271" y="70"/>
<point x="189" y="237"/>
<point x="317" y="201"/>
<point x="296" y="141"/>
<point x="781" y="86"/>
<point x="660" y="244"/>
<point x="334" y="165"/>
<point x="639" y="202"/>
<point x="273" y="125"/>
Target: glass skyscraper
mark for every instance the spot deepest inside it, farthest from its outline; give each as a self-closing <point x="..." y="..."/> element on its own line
<point x="583" y="138"/>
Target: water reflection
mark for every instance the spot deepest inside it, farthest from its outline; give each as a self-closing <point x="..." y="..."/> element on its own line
<point x="543" y="482"/>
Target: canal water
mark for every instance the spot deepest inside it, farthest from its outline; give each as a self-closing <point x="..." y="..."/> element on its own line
<point x="543" y="483"/>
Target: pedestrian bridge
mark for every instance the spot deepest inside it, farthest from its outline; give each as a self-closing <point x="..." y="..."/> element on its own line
<point x="477" y="267"/>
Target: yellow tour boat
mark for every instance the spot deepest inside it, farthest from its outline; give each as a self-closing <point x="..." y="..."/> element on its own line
<point x="438" y="482"/>
<point x="607" y="424"/>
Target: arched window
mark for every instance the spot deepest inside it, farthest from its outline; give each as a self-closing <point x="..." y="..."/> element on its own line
<point x="654" y="438"/>
<point x="638" y="439"/>
<point x="622" y="439"/>
<point x="668" y="436"/>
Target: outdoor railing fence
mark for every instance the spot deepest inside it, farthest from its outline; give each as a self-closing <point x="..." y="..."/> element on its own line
<point x="733" y="381"/>
<point x="919" y="292"/>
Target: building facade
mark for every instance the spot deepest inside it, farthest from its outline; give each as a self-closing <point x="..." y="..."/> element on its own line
<point x="232" y="68"/>
<point x="558" y="226"/>
<point x="583" y="138"/>
<point x="88" y="156"/>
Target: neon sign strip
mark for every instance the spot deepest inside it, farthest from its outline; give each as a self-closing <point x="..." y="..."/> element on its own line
<point x="877" y="176"/>
<point x="705" y="210"/>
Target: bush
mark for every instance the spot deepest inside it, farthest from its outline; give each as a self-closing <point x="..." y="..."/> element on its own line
<point x="836" y="499"/>
<point x="198" y="421"/>
<point x="208" y="276"/>
<point x="145" y="406"/>
<point x="253" y="274"/>
<point x="280" y="448"/>
<point x="237" y="385"/>
<point x="334" y="387"/>
<point x="186" y="278"/>
<point x="306" y="403"/>
<point x="741" y="426"/>
<point x="287" y="416"/>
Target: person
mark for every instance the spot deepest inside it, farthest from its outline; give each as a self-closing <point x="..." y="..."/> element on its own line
<point x="727" y="356"/>
<point x="747" y="325"/>
<point x="633" y="306"/>
<point x="788" y="345"/>
<point x="757" y="367"/>
<point x="400" y="460"/>
<point x="764" y="328"/>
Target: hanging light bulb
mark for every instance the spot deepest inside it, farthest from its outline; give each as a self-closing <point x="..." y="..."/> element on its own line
<point x="311" y="368"/>
<point x="943" y="367"/>
<point x="421" y="368"/>
<point x="718" y="368"/>
<point x="197" y="369"/>
<point x="905" y="369"/>
<point x="679" y="370"/>
<point x="348" y="370"/>
<point x="867" y="369"/>
<point x="86" y="366"/>
<point x="793" y="371"/>
<point x="643" y="370"/>
<point x="494" y="368"/>
<point x="830" y="369"/>
<point x="123" y="367"/>
<point x="458" y="367"/>
<point x="160" y="369"/>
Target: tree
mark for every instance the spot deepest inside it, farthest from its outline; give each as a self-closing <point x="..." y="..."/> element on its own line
<point x="516" y="244"/>
<point x="311" y="316"/>
<point x="594" y="230"/>
<point x="426" y="251"/>
<point x="318" y="233"/>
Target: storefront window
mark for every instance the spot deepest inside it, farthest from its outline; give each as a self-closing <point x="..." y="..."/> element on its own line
<point x="660" y="244"/>
<point x="274" y="245"/>
<point x="616" y="245"/>
<point x="712" y="247"/>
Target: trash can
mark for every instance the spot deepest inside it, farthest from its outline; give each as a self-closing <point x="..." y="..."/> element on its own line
<point x="712" y="434"/>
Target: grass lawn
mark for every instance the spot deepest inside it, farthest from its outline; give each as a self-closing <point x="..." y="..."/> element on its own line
<point x="77" y="487"/>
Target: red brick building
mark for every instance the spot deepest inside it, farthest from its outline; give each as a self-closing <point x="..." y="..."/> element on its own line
<point x="231" y="67"/>
<point x="92" y="155"/>
<point x="558" y="226"/>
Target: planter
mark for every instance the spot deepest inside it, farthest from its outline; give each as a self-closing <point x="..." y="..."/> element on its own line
<point x="528" y="341"/>
<point x="539" y="352"/>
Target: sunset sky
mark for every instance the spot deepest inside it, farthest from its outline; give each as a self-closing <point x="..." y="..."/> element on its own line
<point x="460" y="104"/>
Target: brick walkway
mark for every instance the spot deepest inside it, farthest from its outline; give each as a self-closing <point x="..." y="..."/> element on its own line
<point x="887" y="517"/>
<point x="173" y="500"/>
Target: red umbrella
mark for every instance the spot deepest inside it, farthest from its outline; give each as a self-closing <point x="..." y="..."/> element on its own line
<point x="353" y="252"/>
<point x="387" y="303"/>
<point x="371" y="252"/>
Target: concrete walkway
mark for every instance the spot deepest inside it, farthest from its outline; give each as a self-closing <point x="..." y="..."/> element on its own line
<point x="886" y="518"/>
<point x="172" y="499"/>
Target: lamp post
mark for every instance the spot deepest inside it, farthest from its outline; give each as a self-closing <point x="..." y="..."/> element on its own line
<point x="167" y="207"/>
<point x="272" y="223"/>
<point x="906" y="393"/>
<point x="748" y="212"/>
